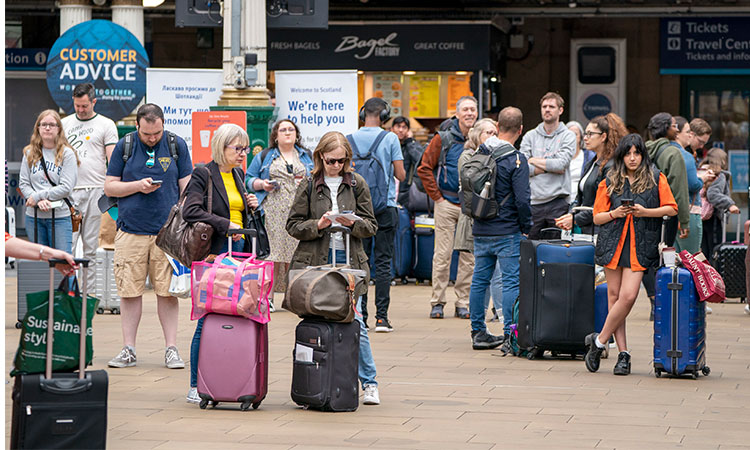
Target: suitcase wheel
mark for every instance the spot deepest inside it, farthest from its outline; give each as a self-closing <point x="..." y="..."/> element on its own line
<point x="203" y="404"/>
<point x="706" y="370"/>
<point x="256" y="405"/>
<point x="19" y="324"/>
<point x="695" y="375"/>
<point x="657" y="372"/>
<point x="404" y="280"/>
<point x="100" y="310"/>
<point x="393" y="282"/>
<point x="115" y="310"/>
<point x="245" y="406"/>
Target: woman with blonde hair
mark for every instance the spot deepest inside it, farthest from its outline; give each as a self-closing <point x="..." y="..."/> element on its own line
<point x="49" y="171"/>
<point x="334" y="187"/>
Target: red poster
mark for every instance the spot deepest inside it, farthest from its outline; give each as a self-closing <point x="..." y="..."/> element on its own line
<point x="204" y="125"/>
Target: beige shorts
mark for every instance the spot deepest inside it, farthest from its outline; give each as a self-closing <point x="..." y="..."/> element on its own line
<point x="135" y="257"/>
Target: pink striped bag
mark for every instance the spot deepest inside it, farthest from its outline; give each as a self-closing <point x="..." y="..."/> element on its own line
<point x="237" y="286"/>
<point x="708" y="282"/>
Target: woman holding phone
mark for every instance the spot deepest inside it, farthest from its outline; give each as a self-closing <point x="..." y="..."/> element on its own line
<point x="629" y="207"/>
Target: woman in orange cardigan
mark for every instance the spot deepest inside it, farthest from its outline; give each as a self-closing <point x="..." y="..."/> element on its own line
<point x="629" y="207"/>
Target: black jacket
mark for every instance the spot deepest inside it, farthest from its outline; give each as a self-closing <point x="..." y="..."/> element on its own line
<point x="196" y="202"/>
<point x="587" y="195"/>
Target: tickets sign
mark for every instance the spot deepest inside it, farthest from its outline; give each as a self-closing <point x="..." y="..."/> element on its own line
<point x="104" y="54"/>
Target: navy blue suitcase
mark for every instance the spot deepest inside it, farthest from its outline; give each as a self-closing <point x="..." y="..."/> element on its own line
<point x="601" y="307"/>
<point x="454" y="265"/>
<point x="403" y="249"/>
<point x="679" y="325"/>
<point x="424" y="247"/>
<point x="556" y="296"/>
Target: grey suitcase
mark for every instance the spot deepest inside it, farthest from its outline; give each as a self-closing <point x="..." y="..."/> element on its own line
<point x="10" y="228"/>
<point x="106" y="288"/>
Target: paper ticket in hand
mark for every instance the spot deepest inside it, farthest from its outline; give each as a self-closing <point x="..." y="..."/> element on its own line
<point x="350" y="216"/>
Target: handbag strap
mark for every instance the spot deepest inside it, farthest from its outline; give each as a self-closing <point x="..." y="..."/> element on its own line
<point x="44" y="167"/>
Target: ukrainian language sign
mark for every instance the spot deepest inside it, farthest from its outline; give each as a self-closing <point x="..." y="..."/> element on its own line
<point x="104" y="54"/>
<point x="711" y="45"/>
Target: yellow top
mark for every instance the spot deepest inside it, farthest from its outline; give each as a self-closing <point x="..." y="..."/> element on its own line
<point x="235" y="199"/>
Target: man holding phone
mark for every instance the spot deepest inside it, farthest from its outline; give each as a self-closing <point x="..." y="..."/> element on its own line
<point x="147" y="177"/>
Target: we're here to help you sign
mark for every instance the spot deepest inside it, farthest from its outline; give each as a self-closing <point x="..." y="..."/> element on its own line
<point x="104" y="54"/>
<point x="709" y="46"/>
<point x="318" y="101"/>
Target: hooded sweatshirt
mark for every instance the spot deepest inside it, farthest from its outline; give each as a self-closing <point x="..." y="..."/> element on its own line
<point x="558" y="149"/>
<point x="672" y="164"/>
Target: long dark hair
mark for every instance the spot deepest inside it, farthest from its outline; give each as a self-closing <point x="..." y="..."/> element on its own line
<point x="644" y="175"/>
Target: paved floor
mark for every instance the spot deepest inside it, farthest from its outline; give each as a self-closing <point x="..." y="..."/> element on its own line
<point x="436" y="392"/>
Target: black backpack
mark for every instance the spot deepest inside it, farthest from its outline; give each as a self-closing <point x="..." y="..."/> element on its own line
<point x="127" y="146"/>
<point x="447" y="140"/>
<point x="478" y="178"/>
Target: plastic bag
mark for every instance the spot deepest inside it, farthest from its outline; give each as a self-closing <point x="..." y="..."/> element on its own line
<point x="179" y="286"/>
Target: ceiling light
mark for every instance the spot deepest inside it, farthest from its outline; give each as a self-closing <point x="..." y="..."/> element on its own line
<point x="152" y="3"/>
<point x="493" y="79"/>
<point x="462" y="72"/>
<point x="409" y="72"/>
<point x="360" y="72"/>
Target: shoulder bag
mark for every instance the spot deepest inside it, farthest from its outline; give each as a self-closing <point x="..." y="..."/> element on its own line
<point x="186" y="242"/>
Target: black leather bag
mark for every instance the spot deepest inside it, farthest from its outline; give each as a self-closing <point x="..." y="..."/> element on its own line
<point x="262" y="244"/>
<point x="186" y="242"/>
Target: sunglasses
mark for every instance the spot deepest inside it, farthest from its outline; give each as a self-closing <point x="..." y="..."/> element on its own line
<point x="333" y="161"/>
<point x="239" y="150"/>
<point x="150" y="160"/>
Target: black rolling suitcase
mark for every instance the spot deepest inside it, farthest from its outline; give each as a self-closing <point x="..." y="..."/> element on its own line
<point x="326" y="361"/>
<point x="729" y="260"/>
<point x="65" y="411"/>
<point x="556" y="296"/>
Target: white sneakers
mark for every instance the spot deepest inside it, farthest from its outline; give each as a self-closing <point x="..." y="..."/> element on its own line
<point x="371" y="396"/>
<point x="192" y="396"/>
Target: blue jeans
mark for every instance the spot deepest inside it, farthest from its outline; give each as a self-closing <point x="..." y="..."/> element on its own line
<point x="496" y="290"/>
<point x="63" y="232"/>
<point x="196" y="344"/>
<point x="367" y="370"/>
<point x="489" y="251"/>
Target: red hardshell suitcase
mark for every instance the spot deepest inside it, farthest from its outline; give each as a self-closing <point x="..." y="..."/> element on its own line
<point x="729" y="260"/>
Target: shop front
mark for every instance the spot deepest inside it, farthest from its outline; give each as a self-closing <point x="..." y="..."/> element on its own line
<point x="420" y="69"/>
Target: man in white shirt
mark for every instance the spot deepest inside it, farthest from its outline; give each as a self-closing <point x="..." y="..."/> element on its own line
<point x="93" y="137"/>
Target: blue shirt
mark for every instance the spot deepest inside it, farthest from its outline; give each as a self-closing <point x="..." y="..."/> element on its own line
<point x="388" y="151"/>
<point x="141" y="213"/>
<point x="694" y="183"/>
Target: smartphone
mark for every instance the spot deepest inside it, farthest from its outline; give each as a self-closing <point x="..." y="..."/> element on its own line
<point x="157" y="182"/>
<point x="275" y="184"/>
<point x="627" y="202"/>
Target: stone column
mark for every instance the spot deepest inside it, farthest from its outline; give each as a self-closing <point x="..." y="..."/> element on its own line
<point x="129" y="15"/>
<point x="73" y="12"/>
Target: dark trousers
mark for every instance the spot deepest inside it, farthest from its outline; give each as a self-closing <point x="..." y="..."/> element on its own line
<point x="544" y="215"/>
<point x="712" y="236"/>
<point x="380" y="259"/>
<point x="670" y="234"/>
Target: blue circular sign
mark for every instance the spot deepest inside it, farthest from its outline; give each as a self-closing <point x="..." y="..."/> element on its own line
<point x="596" y="105"/>
<point x="104" y="54"/>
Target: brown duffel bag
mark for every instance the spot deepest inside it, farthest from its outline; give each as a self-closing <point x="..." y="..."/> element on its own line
<point x="324" y="292"/>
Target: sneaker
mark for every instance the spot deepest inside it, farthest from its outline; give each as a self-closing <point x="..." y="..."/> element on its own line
<point x="371" y="397"/>
<point x="462" y="313"/>
<point x="593" y="353"/>
<point x="623" y="364"/>
<point x="709" y="310"/>
<point x="126" y="358"/>
<point x="506" y="349"/>
<point x="437" y="312"/>
<point x="271" y="308"/>
<point x="192" y="396"/>
<point x="382" y="326"/>
<point x="482" y="340"/>
<point x="172" y="358"/>
<point x="747" y="309"/>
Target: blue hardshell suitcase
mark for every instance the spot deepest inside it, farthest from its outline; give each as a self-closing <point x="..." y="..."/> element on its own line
<point x="601" y="307"/>
<point x="556" y="296"/>
<point x="403" y="250"/>
<point x="679" y="325"/>
<point x="424" y="247"/>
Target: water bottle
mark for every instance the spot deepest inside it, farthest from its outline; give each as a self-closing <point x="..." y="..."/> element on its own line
<point x="483" y="197"/>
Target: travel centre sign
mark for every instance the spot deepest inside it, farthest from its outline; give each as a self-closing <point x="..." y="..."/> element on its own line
<point x="711" y="46"/>
<point x="104" y="54"/>
<point x="382" y="47"/>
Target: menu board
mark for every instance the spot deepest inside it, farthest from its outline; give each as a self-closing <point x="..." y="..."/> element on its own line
<point x="424" y="96"/>
<point x="388" y="87"/>
<point x="458" y="86"/>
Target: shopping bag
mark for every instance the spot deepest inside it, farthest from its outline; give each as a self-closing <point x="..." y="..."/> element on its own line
<point x="32" y="348"/>
<point x="708" y="282"/>
<point x="179" y="286"/>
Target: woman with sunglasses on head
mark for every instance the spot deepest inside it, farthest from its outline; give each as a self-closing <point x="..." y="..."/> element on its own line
<point x="274" y="175"/>
<point x="335" y="188"/>
<point x="602" y="135"/>
<point x="629" y="207"/>
<point x="229" y="205"/>
<point x="49" y="171"/>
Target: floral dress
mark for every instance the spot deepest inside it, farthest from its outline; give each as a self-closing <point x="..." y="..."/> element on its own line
<point x="277" y="205"/>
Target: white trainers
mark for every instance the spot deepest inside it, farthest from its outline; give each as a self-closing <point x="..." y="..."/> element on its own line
<point x="172" y="359"/>
<point x="709" y="310"/>
<point x="126" y="358"/>
<point x="371" y="396"/>
<point x="747" y="308"/>
<point x="192" y="396"/>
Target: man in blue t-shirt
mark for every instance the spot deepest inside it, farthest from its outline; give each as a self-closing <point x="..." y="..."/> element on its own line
<point x="388" y="152"/>
<point x="147" y="182"/>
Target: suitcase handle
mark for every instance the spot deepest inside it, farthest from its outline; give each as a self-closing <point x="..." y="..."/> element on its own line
<point x="80" y="261"/>
<point x="340" y="229"/>
<point x="66" y="386"/>
<point x="724" y="228"/>
<point x="252" y="232"/>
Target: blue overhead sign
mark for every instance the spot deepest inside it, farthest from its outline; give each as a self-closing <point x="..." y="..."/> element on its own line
<point x="710" y="45"/>
<point x="26" y="58"/>
<point x="104" y="54"/>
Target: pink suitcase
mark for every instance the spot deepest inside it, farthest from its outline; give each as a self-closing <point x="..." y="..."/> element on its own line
<point x="233" y="361"/>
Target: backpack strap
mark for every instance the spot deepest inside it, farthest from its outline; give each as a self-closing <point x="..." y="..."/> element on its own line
<point x="446" y="142"/>
<point x="263" y="155"/>
<point x="172" y="142"/>
<point x="372" y="148"/>
<point x="127" y="146"/>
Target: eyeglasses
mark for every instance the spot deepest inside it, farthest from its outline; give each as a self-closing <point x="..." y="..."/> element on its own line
<point x="150" y="160"/>
<point x="588" y="134"/>
<point x="333" y="161"/>
<point x="287" y="130"/>
<point x="239" y="150"/>
<point x="47" y="125"/>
